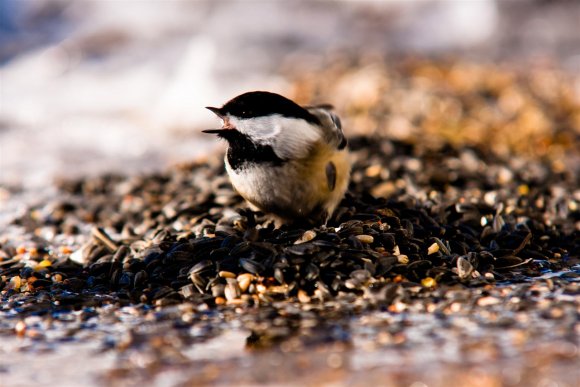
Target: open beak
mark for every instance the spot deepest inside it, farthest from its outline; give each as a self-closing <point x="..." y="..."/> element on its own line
<point x="217" y="111"/>
<point x="213" y="131"/>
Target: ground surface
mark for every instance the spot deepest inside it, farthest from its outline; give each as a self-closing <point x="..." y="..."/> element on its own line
<point x="455" y="253"/>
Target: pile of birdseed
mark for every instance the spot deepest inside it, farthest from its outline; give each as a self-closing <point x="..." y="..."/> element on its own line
<point x="412" y="217"/>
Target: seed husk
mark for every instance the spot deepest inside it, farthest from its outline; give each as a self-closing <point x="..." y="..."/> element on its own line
<point x="464" y="268"/>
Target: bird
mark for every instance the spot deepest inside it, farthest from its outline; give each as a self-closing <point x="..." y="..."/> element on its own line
<point x="284" y="159"/>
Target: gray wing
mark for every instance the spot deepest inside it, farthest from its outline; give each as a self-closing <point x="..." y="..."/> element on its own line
<point x="330" y="125"/>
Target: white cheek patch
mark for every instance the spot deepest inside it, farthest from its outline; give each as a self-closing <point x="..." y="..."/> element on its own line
<point x="289" y="137"/>
<point x="259" y="128"/>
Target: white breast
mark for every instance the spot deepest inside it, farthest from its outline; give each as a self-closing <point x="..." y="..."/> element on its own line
<point x="263" y="185"/>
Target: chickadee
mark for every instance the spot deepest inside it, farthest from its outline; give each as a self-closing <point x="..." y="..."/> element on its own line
<point x="284" y="159"/>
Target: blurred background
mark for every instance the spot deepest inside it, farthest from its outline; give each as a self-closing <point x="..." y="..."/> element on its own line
<point x="94" y="86"/>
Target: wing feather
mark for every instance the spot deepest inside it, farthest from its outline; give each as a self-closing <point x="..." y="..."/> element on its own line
<point x="331" y="125"/>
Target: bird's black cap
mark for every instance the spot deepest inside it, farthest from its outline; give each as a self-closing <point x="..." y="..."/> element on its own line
<point x="262" y="103"/>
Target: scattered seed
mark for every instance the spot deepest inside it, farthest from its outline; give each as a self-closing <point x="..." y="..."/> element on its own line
<point x="403" y="259"/>
<point x="306" y="237"/>
<point x="368" y="239"/>
<point x="433" y="249"/>
<point x="428" y="282"/>
<point x="244" y="281"/>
